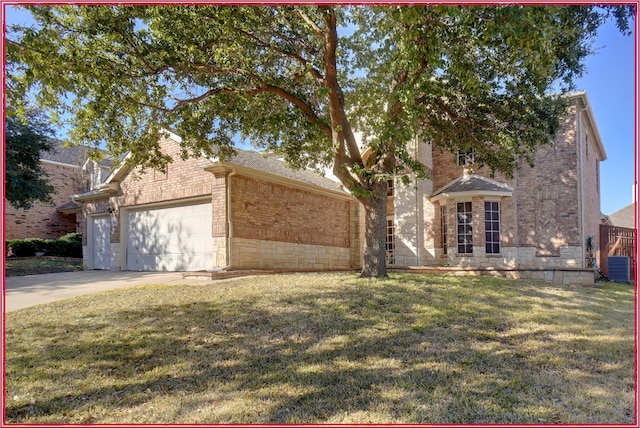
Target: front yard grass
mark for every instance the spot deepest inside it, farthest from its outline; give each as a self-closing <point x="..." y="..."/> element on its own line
<point x="30" y="266"/>
<point x="327" y="348"/>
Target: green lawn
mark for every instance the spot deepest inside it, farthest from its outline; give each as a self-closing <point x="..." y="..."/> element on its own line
<point x="25" y="267"/>
<point x="329" y="348"/>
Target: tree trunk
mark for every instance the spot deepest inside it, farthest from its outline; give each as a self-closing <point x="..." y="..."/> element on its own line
<point x="375" y="235"/>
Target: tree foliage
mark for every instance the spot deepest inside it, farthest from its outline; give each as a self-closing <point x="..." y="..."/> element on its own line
<point x="303" y="80"/>
<point x="26" y="182"/>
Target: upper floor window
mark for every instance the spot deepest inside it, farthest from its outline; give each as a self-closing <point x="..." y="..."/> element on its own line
<point x="390" y="188"/>
<point x="466" y="158"/>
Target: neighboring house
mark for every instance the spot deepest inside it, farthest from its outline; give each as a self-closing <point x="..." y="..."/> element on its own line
<point x="66" y="169"/>
<point x="623" y="218"/>
<point x="252" y="212"/>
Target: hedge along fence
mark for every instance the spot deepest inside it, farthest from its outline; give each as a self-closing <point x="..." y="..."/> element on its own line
<point x="69" y="246"/>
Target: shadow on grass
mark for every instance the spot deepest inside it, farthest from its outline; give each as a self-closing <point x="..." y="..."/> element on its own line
<point x="424" y="349"/>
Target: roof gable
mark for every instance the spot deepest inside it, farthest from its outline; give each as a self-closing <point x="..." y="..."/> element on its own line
<point x="272" y="165"/>
<point x="471" y="183"/>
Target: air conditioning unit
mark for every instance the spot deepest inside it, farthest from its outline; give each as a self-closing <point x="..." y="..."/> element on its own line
<point x="618" y="268"/>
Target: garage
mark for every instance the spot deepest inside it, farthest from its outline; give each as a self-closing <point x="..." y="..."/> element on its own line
<point x="176" y="238"/>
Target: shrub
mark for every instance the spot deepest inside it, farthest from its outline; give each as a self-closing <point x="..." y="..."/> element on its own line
<point x="22" y="248"/>
<point x="69" y="246"/>
<point x="72" y="236"/>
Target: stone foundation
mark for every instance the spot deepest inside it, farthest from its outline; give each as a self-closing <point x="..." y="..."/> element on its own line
<point x="264" y="254"/>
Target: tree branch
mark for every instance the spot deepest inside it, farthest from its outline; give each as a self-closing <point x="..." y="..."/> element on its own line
<point x="310" y="22"/>
<point x="314" y="72"/>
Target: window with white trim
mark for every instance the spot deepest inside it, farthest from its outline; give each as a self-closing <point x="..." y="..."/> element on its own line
<point x="466" y="158"/>
<point x="390" y="243"/>
<point x="443" y="227"/>
<point x="492" y="227"/>
<point x="465" y="228"/>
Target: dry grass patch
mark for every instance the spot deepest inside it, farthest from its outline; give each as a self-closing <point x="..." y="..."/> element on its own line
<point x="327" y="348"/>
<point x="31" y="266"/>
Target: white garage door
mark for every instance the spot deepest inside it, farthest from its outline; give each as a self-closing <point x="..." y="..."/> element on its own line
<point x="170" y="239"/>
<point x="101" y="231"/>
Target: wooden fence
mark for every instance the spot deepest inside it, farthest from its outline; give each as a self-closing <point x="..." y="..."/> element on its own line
<point x="622" y="242"/>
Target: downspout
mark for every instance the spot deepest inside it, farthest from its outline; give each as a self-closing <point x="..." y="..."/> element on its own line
<point x="229" y="220"/>
<point x="581" y="187"/>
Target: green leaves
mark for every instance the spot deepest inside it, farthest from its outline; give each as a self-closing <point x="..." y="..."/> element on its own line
<point x="25" y="179"/>
<point x="478" y="76"/>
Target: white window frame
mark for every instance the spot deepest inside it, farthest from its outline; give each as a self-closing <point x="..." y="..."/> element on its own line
<point x="492" y="227"/>
<point x="390" y="242"/>
<point x="466" y="158"/>
<point x="443" y="227"/>
<point x="464" y="222"/>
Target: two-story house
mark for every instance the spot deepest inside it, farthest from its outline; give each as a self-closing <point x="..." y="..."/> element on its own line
<point x="253" y="212"/>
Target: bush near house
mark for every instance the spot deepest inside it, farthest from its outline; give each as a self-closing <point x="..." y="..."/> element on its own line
<point x="69" y="245"/>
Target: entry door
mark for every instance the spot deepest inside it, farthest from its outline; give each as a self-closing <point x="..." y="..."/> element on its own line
<point x="101" y="243"/>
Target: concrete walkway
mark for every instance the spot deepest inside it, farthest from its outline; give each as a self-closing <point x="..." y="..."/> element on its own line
<point x="25" y="291"/>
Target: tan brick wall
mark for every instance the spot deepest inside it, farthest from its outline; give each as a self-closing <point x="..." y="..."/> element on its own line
<point x="547" y="196"/>
<point x="445" y="170"/>
<point x="267" y="211"/>
<point x="183" y="179"/>
<point x="543" y="219"/>
<point x="42" y="220"/>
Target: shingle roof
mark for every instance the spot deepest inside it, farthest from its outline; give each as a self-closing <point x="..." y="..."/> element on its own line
<point x="74" y="155"/>
<point x="623" y="217"/>
<point x="271" y="164"/>
<point x="69" y="206"/>
<point x="473" y="182"/>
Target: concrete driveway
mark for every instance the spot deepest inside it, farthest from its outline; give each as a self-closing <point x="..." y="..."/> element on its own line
<point x="26" y="291"/>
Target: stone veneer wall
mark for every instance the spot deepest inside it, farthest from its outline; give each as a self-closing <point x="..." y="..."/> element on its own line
<point x="42" y="220"/>
<point x="265" y="254"/>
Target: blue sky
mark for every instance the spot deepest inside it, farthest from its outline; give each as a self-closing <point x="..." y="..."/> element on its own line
<point x="609" y="82"/>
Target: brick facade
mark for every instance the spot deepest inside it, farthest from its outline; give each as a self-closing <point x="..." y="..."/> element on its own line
<point x="272" y="225"/>
<point x="287" y="215"/>
<point x="546" y="212"/>
<point x="553" y="208"/>
<point x="43" y="220"/>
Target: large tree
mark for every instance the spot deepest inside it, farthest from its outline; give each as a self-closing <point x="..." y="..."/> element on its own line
<point x="302" y="80"/>
<point x="25" y="181"/>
